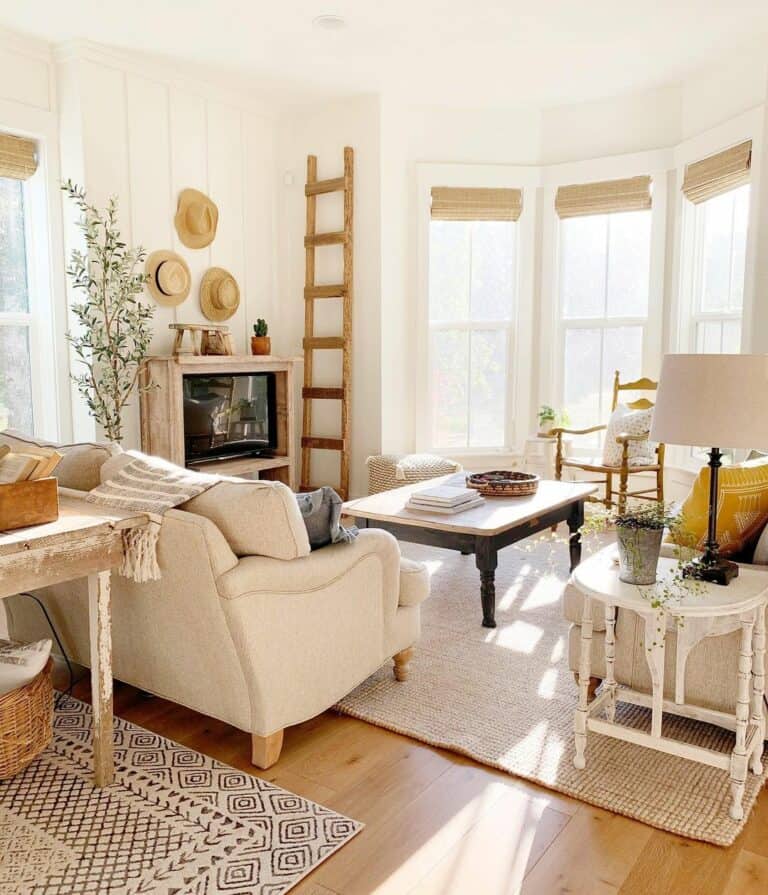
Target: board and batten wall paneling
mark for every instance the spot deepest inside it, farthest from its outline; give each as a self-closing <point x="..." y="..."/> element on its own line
<point x="225" y="186"/>
<point x="149" y="152"/>
<point x="146" y="137"/>
<point x="189" y="169"/>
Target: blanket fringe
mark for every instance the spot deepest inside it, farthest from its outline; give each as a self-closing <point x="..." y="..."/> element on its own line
<point x="140" y="553"/>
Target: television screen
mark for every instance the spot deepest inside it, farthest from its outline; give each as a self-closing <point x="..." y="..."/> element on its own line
<point x="228" y="415"/>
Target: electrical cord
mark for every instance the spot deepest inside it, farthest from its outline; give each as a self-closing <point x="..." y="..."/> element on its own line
<point x="70" y="670"/>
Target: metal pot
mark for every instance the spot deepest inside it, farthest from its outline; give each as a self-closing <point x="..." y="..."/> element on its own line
<point x="639" y="550"/>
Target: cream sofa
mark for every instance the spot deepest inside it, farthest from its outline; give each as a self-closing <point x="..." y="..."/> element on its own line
<point x="257" y="641"/>
<point x="710" y="671"/>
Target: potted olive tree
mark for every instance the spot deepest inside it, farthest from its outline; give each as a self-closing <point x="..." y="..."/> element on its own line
<point x="114" y="324"/>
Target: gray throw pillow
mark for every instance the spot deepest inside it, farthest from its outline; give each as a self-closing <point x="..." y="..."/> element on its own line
<point x="321" y="511"/>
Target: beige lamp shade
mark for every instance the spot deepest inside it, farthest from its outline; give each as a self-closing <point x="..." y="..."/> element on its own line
<point x="169" y="279"/>
<point x="712" y="400"/>
<point x="219" y="294"/>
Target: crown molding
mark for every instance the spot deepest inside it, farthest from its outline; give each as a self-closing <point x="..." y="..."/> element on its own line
<point x="209" y="83"/>
<point x="25" y="45"/>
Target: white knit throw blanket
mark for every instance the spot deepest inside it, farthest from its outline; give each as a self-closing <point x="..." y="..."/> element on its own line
<point x="152" y="486"/>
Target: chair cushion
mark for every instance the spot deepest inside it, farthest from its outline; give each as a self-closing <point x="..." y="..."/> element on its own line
<point x="81" y="462"/>
<point x="414" y="582"/>
<point x="624" y="421"/>
<point x="573" y="608"/>
<point x="742" y="508"/>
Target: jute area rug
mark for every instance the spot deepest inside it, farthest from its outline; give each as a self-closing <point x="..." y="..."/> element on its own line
<point x="506" y="698"/>
<point x="174" y="821"/>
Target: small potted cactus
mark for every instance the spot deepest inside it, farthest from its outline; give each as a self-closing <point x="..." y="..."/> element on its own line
<point x="260" y="341"/>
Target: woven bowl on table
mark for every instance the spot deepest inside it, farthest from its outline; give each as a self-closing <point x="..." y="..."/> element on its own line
<point x="504" y="483"/>
<point x="26" y="723"/>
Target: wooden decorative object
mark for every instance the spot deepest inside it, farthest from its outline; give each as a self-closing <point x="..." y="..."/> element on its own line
<point x="312" y="292"/>
<point x="28" y="503"/>
<point x="504" y="483"/>
<point x="162" y="412"/>
<point x="26" y="723"/>
<point x="207" y="339"/>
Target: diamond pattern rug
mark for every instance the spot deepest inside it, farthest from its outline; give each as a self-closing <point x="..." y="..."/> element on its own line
<point x="175" y="822"/>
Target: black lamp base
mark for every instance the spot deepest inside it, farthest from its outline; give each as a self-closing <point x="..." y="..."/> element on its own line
<point x="719" y="571"/>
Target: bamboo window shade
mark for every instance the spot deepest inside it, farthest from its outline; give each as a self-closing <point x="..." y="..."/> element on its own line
<point x="18" y="157"/>
<point x="603" y="197"/>
<point x="476" y="204"/>
<point x="718" y="173"/>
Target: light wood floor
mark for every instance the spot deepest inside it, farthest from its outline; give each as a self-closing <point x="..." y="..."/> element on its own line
<point x="440" y="824"/>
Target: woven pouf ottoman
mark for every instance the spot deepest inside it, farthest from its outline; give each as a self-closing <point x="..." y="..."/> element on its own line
<point x="387" y="471"/>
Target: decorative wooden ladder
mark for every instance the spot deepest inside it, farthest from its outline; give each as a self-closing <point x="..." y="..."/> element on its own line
<point x="343" y="343"/>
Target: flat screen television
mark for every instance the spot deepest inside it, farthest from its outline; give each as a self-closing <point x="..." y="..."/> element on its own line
<point x="229" y="414"/>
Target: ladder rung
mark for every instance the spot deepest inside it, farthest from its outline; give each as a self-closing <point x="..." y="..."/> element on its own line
<point x="325" y="342"/>
<point x="325" y="186"/>
<point x="333" y="290"/>
<point x="326" y="239"/>
<point x="323" y="444"/>
<point x="333" y="393"/>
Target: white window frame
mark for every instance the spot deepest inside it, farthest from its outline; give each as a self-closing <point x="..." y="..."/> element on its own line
<point x="552" y="373"/>
<point x="46" y="318"/>
<point x="520" y="331"/>
<point x="681" y="336"/>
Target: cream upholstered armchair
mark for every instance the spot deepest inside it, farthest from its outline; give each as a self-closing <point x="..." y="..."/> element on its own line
<point x="606" y="474"/>
<point x="246" y="625"/>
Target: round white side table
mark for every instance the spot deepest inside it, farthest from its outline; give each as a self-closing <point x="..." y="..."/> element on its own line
<point x="714" y="611"/>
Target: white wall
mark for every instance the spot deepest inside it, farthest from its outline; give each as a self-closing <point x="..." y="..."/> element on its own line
<point x="324" y="130"/>
<point x="138" y="130"/>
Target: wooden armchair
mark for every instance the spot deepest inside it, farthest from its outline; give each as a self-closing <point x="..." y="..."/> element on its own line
<point x="623" y="470"/>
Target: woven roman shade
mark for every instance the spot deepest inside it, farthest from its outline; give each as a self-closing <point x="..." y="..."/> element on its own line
<point x="476" y="204"/>
<point x="580" y="199"/>
<point x="719" y="173"/>
<point x="18" y="157"/>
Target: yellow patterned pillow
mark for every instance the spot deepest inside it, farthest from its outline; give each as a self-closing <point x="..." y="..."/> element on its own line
<point x="742" y="507"/>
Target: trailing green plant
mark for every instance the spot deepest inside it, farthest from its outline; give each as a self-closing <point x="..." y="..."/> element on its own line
<point x="114" y="324"/>
<point x="260" y="327"/>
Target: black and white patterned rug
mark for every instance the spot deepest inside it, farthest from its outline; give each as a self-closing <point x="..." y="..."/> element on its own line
<point x="175" y="822"/>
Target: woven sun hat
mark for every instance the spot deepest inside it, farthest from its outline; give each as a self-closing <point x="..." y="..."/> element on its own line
<point x="169" y="279"/>
<point x="196" y="219"/>
<point x="219" y="294"/>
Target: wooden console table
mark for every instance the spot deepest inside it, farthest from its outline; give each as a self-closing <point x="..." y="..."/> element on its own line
<point x="85" y="541"/>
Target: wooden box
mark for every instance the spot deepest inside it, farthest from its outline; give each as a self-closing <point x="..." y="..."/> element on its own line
<point x="28" y="503"/>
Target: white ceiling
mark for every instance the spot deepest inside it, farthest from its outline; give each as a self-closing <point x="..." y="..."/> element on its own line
<point x="462" y="52"/>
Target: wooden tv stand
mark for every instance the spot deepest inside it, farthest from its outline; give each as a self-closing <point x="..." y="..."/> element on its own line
<point x="162" y="413"/>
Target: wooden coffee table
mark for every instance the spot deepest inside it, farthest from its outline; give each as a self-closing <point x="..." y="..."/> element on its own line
<point x="483" y="530"/>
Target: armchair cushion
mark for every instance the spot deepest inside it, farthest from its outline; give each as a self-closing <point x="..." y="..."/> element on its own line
<point x="624" y="421"/>
<point x="256" y="518"/>
<point x="414" y="582"/>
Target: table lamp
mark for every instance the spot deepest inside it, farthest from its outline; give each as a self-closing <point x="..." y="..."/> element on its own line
<point x="712" y="399"/>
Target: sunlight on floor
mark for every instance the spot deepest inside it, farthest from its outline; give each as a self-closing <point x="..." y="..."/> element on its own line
<point x="547" y="590"/>
<point x="548" y="683"/>
<point x="519" y="636"/>
<point x="558" y="651"/>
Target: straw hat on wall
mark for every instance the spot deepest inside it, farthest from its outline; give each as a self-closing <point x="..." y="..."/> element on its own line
<point x="219" y="294"/>
<point x="169" y="279"/>
<point x="196" y="219"/>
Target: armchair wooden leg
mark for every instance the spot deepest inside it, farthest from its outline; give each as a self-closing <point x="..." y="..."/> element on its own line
<point x="265" y="751"/>
<point x="402" y="661"/>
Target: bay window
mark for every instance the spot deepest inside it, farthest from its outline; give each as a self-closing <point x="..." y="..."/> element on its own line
<point x="471" y="311"/>
<point x="603" y="301"/>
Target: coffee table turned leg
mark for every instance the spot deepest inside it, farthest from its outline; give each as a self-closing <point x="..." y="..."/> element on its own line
<point x="585" y="663"/>
<point x="575" y="521"/>
<point x="758" y="689"/>
<point x="739" y="757"/>
<point x="486" y="560"/>
<point x="610" y="659"/>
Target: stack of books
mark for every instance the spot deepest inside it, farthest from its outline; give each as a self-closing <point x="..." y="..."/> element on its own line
<point x="34" y="462"/>
<point x="444" y="499"/>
